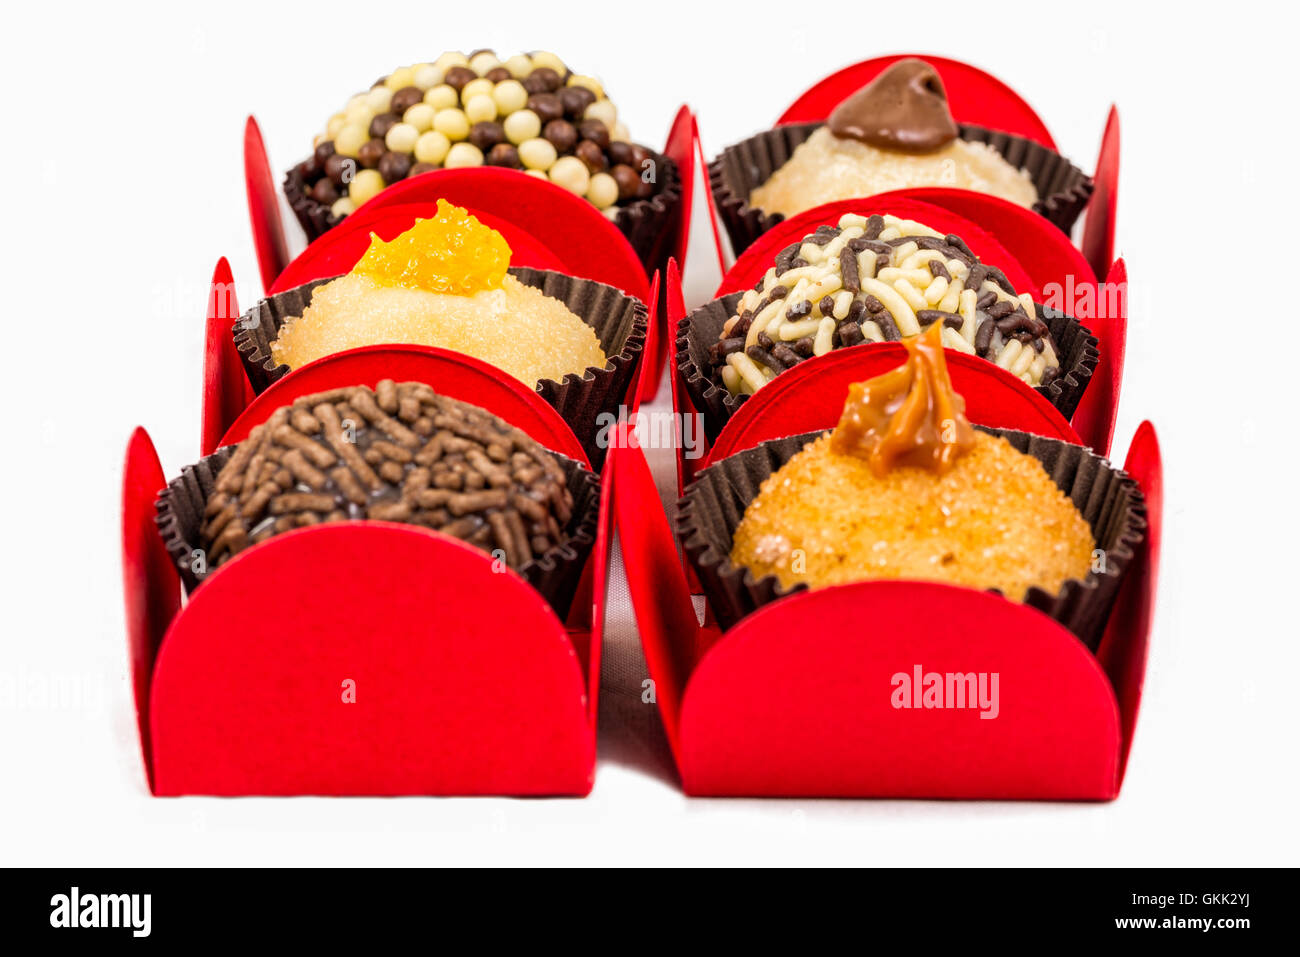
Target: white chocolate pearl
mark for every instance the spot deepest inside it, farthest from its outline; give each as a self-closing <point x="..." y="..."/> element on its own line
<point x="431" y="147"/>
<point x="334" y="125"/>
<point x="590" y="82"/>
<point x="603" y="110"/>
<point x="365" y="184"/>
<point x="463" y="154"/>
<point x="401" y="137"/>
<point x="354" y="101"/>
<point x="619" y="134"/>
<point x="537" y="153"/>
<point x="481" y="108"/>
<point x="427" y="76"/>
<point x="452" y="124"/>
<point x="539" y="174"/>
<point x="450" y="59"/>
<point x="350" y="139"/>
<point x="403" y="76"/>
<point x="522" y="125"/>
<point x="480" y="87"/>
<point x="420" y="116"/>
<point x="359" y="113"/>
<point x="519" y="65"/>
<point x="342" y="206"/>
<point x="546" y="58"/>
<point x="571" y="173"/>
<point x="509" y="95"/>
<point x="482" y="62"/>
<point x="379" y="99"/>
<point x="442" y="97"/>
<point x="602" y="191"/>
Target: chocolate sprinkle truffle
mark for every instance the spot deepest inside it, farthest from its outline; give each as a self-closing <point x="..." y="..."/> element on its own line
<point x="529" y="112"/>
<point x="879" y="279"/>
<point x="398" y="453"/>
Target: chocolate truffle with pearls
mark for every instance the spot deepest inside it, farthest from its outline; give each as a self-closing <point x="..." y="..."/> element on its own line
<point x="529" y="112"/>
<point x="399" y="453"/>
<point x="878" y="279"/>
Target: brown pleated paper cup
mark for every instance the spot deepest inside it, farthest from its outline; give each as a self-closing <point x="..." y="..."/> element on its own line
<point x="555" y="574"/>
<point x="649" y="224"/>
<point x="1111" y="502"/>
<point x="1063" y="188"/>
<point x="697" y="331"/>
<point x="618" y="320"/>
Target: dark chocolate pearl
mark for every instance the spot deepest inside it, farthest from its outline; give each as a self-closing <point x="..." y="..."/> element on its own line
<point x="628" y="181"/>
<point x="534" y="84"/>
<point x="592" y="156"/>
<point x="498" y="74"/>
<point x="549" y="79"/>
<point x="644" y="189"/>
<point x="419" y="168"/>
<point x="561" y="134"/>
<point x="620" y="152"/>
<point x="394" y="166"/>
<point x="639" y="155"/>
<point x="404" y="99"/>
<point x="307" y="168"/>
<point x="487" y="134"/>
<point x="595" y="131"/>
<point x="457" y="77"/>
<point x="340" y="169"/>
<point x="382" y="123"/>
<point x="324" y="192"/>
<point x="547" y="106"/>
<point x="576" y="99"/>
<point x="503" y="154"/>
<point x="370" y="152"/>
<point x="323" y="152"/>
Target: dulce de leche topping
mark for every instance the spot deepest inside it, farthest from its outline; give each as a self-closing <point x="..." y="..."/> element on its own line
<point x="910" y="416"/>
<point x="905" y="108"/>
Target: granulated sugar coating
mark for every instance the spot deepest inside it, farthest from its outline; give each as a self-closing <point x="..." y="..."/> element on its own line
<point x="516" y="327"/>
<point x="995" y="520"/>
<point x="823" y="169"/>
<point x="443" y="283"/>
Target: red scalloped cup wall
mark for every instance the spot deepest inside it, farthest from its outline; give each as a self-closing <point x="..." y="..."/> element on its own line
<point x="463" y="679"/>
<point x="974" y="96"/>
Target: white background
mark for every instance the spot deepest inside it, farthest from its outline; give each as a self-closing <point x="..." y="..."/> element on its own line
<point x="122" y="139"/>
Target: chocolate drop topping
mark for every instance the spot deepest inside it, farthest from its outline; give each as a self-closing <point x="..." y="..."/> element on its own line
<point x="905" y="108"/>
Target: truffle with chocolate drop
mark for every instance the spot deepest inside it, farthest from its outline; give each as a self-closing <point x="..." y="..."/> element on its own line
<point x="905" y="108"/>
<point x="909" y="416"/>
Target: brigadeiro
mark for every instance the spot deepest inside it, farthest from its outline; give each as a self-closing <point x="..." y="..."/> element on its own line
<point x="529" y="112"/>
<point x="872" y="279"/>
<point x="904" y="487"/>
<point x="399" y="452"/>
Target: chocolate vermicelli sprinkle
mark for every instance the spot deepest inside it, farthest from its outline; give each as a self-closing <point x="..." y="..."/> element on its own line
<point x="399" y="453"/>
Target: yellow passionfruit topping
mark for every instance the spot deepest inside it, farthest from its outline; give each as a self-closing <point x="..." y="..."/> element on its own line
<point x="451" y="253"/>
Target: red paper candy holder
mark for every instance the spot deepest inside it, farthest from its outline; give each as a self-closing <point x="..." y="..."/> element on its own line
<point x="364" y="658"/>
<point x="824" y="693"/>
